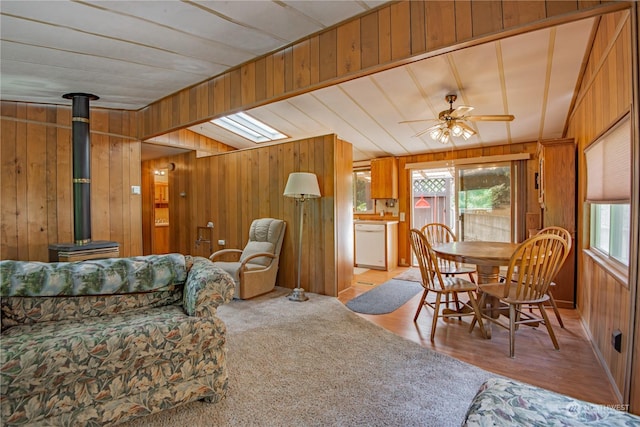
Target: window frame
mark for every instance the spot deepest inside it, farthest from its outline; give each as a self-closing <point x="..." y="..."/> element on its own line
<point x="609" y="263"/>
<point x="606" y="254"/>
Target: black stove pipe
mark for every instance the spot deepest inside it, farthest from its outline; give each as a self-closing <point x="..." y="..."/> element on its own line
<point x="81" y="166"/>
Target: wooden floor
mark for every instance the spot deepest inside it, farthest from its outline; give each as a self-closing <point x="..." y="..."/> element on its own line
<point x="574" y="370"/>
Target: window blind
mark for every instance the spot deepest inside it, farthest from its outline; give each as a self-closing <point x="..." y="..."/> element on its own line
<point x="609" y="165"/>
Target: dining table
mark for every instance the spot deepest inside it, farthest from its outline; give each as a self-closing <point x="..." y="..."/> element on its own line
<point x="488" y="258"/>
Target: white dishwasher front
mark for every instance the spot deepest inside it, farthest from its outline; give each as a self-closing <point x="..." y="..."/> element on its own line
<point x="370" y="245"/>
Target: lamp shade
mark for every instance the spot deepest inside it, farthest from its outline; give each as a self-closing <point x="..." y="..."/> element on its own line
<point x="302" y="185"/>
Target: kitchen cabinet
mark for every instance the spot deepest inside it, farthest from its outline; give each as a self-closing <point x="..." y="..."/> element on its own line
<point x="376" y="244"/>
<point x="384" y="178"/>
<point x="557" y="198"/>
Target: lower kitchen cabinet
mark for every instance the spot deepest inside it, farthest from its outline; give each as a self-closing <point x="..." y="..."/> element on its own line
<point x="376" y="244"/>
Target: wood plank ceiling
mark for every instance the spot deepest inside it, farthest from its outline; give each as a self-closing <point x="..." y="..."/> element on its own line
<point x="133" y="53"/>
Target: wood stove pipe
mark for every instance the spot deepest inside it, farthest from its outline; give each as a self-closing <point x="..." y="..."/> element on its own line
<point x="81" y="166"/>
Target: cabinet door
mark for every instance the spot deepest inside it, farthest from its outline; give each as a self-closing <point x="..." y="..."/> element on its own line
<point x="384" y="178"/>
<point x="558" y="203"/>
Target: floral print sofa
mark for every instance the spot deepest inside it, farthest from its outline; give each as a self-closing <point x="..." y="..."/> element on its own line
<point x="103" y="341"/>
<point x="504" y="402"/>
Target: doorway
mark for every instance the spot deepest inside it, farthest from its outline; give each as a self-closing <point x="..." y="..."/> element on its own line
<point x="484" y="202"/>
<point x="160" y="211"/>
<point x="475" y="201"/>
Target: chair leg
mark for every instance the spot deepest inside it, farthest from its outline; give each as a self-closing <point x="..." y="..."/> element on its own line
<point x="512" y="330"/>
<point x="457" y="304"/>
<point x="478" y="315"/>
<point x="436" y="313"/>
<point x="555" y="309"/>
<point x="480" y="304"/>
<point x="421" y="304"/>
<point x="548" y="325"/>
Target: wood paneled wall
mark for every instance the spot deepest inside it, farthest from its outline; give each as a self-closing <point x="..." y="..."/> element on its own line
<point x="233" y="189"/>
<point x="185" y="138"/>
<point x="36" y="188"/>
<point x="391" y="35"/>
<point x="606" y="93"/>
<point x="404" y="183"/>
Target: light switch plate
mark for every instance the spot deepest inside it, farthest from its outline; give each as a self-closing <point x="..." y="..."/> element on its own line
<point x="135" y="189"/>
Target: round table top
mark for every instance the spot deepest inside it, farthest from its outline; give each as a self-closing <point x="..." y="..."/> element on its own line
<point x="476" y="252"/>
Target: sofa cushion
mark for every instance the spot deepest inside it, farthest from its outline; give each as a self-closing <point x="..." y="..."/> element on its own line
<point x="93" y="277"/>
<point x="91" y="353"/>
<point x="233" y="268"/>
<point x="505" y="402"/>
<point x="28" y="310"/>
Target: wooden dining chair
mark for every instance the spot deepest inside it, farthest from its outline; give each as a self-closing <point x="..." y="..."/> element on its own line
<point x="441" y="233"/>
<point x="532" y="267"/>
<point x="436" y="233"/>
<point x="558" y="231"/>
<point x="442" y="286"/>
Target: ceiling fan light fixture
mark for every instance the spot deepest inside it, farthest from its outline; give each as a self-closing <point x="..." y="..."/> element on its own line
<point x="436" y="133"/>
<point x="466" y="132"/>
<point x="445" y="137"/>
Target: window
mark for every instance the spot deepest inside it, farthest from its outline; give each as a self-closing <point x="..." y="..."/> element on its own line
<point x="610" y="230"/>
<point x="609" y="192"/>
<point x="362" y="202"/>
<point x="249" y="127"/>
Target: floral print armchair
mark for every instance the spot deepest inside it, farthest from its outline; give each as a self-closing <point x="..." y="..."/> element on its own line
<point x="103" y="341"/>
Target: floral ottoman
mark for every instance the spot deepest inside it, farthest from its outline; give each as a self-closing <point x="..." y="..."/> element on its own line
<point x="102" y="341"/>
<point x="504" y="402"/>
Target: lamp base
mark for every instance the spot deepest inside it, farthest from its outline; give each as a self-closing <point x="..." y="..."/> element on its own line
<point x="298" y="295"/>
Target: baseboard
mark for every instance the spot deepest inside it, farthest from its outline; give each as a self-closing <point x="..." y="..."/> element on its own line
<point x="601" y="359"/>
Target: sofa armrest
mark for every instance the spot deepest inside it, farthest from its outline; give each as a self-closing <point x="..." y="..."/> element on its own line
<point x="206" y="288"/>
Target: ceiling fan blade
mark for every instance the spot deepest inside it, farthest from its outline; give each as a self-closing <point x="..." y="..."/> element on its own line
<point x="427" y="130"/>
<point x="494" y="118"/>
<point x="460" y="111"/>
<point x="416" y="121"/>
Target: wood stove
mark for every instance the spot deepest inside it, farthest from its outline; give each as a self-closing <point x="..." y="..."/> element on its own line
<point x="83" y="247"/>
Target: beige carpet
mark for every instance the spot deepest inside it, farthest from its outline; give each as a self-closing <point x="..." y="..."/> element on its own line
<point x="316" y="363"/>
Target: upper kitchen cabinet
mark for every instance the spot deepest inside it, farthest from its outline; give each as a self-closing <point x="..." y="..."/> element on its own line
<point x="384" y="178"/>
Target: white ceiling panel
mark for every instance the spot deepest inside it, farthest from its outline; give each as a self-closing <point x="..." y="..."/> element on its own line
<point x="202" y="22"/>
<point x="526" y="80"/>
<point x="569" y="51"/>
<point x="329" y="12"/>
<point x="290" y="119"/>
<point x="267" y="16"/>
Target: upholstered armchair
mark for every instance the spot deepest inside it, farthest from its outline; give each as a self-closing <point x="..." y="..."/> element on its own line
<point x="256" y="266"/>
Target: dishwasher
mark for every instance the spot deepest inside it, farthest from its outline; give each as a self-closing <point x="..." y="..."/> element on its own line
<point x="370" y="245"/>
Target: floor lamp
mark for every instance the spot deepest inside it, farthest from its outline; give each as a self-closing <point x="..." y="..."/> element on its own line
<point x="301" y="186"/>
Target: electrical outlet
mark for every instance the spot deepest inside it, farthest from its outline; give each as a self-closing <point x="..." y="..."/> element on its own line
<point x="221" y="242"/>
<point x="616" y="340"/>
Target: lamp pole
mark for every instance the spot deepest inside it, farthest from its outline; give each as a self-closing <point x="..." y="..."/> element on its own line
<point x="298" y="293"/>
<point x="301" y="186"/>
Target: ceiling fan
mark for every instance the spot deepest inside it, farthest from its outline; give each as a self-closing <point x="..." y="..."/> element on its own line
<point x="451" y="122"/>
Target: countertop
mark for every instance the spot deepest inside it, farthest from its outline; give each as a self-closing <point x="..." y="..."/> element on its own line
<point x="375" y="221"/>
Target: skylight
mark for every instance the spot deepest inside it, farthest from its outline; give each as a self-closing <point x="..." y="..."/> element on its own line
<point x="248" y="127"/>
